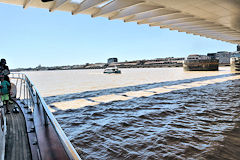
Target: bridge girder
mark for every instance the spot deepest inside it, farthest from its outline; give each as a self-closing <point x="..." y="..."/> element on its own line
<point x="214" y="19"/>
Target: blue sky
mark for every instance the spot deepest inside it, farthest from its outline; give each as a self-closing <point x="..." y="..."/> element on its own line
<point x="34" y="36"/>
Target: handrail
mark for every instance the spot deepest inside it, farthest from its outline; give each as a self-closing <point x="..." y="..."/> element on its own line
<point x="29" y="94"/>
<point x="3" y="130"/>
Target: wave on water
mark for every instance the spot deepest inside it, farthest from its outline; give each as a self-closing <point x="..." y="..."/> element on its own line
<point x="193" y="123"/>
<point x="120" y="90"/>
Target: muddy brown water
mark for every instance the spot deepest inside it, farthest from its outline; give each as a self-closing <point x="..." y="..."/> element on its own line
<point x="196" y="122"/>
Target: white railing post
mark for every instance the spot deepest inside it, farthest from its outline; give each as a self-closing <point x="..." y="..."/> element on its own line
<point x="3" y="130"/>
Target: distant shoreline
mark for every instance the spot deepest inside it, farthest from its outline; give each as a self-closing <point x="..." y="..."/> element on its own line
<point x="59" y="68"/>
<point x="74" y="68"/>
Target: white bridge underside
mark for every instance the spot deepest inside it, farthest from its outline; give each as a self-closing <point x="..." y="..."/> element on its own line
<point x="216" y="19"/>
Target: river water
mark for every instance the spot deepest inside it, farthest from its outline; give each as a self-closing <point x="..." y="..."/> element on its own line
<point x="146" y="114"/>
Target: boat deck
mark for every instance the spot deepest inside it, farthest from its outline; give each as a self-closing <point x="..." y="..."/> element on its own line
<point x="28" y="139"/>
<point x="33" y="133"/>
<point x="17" y="145"/>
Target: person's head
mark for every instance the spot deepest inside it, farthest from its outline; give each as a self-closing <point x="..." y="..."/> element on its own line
<point x="3" y="62"/>
<point x="1" y="78"/>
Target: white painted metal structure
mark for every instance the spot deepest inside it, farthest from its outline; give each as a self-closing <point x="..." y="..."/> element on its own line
<point x="216" y="19"/>
<point x="3" y="130"/>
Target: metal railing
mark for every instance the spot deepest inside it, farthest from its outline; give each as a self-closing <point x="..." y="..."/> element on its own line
<point x="3" y="130"/>
<point x="30" y="96"/>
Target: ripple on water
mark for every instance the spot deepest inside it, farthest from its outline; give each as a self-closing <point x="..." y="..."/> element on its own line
<point x="184" y="124"/>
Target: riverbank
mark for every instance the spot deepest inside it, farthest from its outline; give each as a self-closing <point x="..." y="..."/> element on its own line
<point x="154" y="63"/>
<point x="94" y="67"/>
<point x="103" y="67"/>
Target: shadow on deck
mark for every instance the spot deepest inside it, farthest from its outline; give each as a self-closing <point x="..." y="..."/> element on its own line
<point x="29" y="138"/>
<point x="17" y="145"/>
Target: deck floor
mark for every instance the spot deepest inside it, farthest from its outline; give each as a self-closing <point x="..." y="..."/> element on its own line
<point x="17" y="145"/>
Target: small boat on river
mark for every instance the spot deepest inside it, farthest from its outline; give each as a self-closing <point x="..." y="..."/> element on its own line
<point x="112" y="70"/>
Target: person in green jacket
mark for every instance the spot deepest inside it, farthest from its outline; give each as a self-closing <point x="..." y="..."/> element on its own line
<point x="4" y="88"/>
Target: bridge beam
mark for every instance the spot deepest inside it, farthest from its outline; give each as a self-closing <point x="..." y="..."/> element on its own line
<point x="227" y="34"/>
<point x="115" y="6"/>
<point x="87" y="4"/>
<point x="57" y="4"/>
<point x="179" y="21"/>
<point x="26" y="3"/>
<point x="212" y="29"/>
<point x="206" y="26"/>
<point x="190" y="23"/>
<point x="130" y="11"/>
<point x="150" y="14"/>
<point x="174" y="16"/>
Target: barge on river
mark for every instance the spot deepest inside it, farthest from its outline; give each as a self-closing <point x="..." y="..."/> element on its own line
<point x="197" y="62"/>
<point x="33" y="133"/>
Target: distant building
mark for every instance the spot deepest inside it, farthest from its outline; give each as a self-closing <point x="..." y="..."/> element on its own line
<point x="95" y="66"/>
<point x="212" y="55"/>
<point x="238" y="47"/>
<point x="166" y="60"/>
<point x="197" y="56"/>
<point x="223" y="56"/>
<point x="111" y="60"/>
